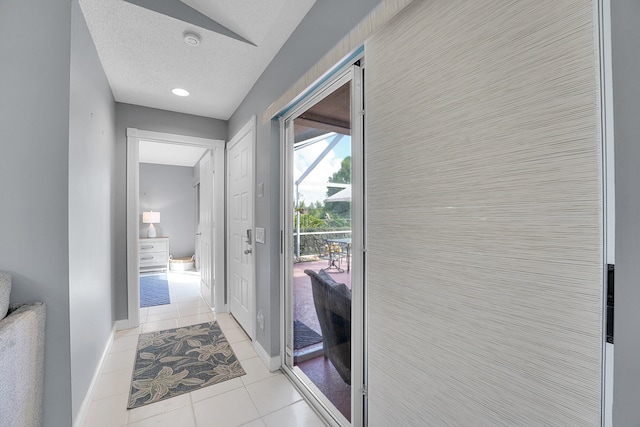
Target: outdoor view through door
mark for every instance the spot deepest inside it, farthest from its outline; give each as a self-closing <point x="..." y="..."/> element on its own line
<point x="322" y="248"/>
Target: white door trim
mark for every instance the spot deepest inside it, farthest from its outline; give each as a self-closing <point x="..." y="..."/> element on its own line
<point x="248" y="127"/>
<point x="134" y="136"/>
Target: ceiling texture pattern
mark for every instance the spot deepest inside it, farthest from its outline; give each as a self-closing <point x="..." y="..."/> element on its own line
<point x="142" y="49"/>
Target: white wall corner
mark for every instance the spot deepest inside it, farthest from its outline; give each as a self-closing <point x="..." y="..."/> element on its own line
<point x="272" y="363"/>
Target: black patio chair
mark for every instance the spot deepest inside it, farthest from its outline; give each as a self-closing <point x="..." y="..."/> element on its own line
<point x="333" y="306"/>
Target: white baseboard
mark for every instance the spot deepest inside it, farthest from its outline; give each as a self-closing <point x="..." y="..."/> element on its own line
<point x="88" y="398"/>
<point x="273" y="363"/>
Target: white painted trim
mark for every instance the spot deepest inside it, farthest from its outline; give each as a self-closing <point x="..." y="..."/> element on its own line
<point x="245" y="129"/>
<point x="285" y="165"/>
<point x="358" y="244"/>
<point x="133" y="229"/>
<point x="602" y="16"/>
<point x="175" y="139"/>
<point x="286" y="240"/>
<point x="134" y="136"/>
<point x="88" y="398"/>
<point x="273" y="363"/>
<point x="219" y="188"/>
<point x="608" y="387"/>
<point x="248" y="127"/>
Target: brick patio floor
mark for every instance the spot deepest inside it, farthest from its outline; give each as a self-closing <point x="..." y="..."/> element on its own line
<point x="317" y="369"/>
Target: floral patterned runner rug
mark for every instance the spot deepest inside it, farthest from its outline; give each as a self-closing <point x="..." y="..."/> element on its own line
<point x="176" y="361"/>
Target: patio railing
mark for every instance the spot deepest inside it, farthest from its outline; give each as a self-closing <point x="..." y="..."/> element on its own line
<point x="312" y="242"/>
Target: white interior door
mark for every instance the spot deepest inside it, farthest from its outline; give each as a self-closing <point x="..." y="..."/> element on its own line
<point x="206" y="226"/>
<point x="240" y="227"/>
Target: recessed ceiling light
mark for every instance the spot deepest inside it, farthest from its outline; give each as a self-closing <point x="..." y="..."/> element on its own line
<point x="180" y="92"/>
<point x="192" y="39"/>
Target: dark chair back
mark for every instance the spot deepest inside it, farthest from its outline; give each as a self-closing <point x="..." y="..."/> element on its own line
<point x="333" y="305"/>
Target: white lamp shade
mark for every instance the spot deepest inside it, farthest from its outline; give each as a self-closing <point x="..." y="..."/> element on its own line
<point x="151" y="217"/>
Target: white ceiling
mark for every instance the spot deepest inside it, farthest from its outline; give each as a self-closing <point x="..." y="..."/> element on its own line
<point x="169" y="154"/>
<point x="144" y="55"/>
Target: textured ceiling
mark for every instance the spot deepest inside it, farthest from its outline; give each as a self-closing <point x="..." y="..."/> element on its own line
<point x="144" y="55"/>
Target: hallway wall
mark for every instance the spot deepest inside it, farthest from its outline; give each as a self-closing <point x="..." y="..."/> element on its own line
<point x="91" y="207"/>
<point x="34" y="168"/>
<point x="169" y="190"/>
<point x="57" y="118"/>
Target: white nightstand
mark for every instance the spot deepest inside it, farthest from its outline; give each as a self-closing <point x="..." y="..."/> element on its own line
<point x="154" y="253"/>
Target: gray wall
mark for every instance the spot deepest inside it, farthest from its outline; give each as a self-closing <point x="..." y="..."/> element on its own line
<point x="34" y="167"/>
<point x="626" y="103"/>
<point x="169" y="190"/>
<point x="145" y="118"/>
<point x="91" y="200"/>
<point x="325" y="25"/>
<point x="499" y="241"/>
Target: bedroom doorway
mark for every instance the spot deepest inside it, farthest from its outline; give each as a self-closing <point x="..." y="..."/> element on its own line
<point x="145" y="254"/>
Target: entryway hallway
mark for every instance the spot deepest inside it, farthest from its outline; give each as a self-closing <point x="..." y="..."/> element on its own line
<point x="258" y="399"/>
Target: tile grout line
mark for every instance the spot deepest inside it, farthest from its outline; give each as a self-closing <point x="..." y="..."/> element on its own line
<point x="193" y="410"/>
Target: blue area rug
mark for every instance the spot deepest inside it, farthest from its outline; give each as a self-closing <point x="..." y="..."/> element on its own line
<point x="154" y="290"/>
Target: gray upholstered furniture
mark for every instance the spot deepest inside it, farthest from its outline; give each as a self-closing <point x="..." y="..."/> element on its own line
<point x="21" y="360"/>
<point x="333" y="306"/>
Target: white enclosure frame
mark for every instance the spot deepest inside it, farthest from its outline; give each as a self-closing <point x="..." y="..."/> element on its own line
<point x="608" y="188"/>
<point x="351" y="73"/>
<point x="134" y="136"/>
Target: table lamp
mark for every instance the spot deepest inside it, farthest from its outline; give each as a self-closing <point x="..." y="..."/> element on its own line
<point x="151" y="218"/>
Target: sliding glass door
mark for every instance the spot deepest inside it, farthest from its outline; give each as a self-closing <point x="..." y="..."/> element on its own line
<point x="323" y="264"/>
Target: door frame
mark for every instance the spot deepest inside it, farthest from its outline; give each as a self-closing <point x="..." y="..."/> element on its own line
<point x="248" y="127"/>
<point x="354" y="74"/>
<point x="134" y="136"/>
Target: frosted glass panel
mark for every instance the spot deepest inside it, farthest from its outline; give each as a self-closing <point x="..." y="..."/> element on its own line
<point x="484" y="215"/>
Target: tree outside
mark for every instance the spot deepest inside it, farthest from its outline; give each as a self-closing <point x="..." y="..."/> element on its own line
<point x="332" y="216"/>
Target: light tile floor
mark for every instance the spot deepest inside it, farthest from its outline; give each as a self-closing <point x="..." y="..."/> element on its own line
<point x="258" y="399"/>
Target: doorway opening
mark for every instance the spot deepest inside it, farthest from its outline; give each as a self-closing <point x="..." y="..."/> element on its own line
<point x="151" y="189"/>
<point x="323" y="261"/>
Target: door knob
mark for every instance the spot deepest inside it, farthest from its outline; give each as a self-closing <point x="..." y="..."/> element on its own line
<point x="247" y="251"/>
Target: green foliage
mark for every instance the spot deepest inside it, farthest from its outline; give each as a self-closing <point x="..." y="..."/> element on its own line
<point x="333" y="216"/>
<point x="342" y="176"/>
